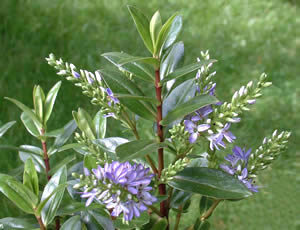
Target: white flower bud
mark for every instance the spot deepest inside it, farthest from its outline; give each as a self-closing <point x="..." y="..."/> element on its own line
<point x="274" y="133"/>
<point x="62" y="72"/>
<point x="250" y="83"/>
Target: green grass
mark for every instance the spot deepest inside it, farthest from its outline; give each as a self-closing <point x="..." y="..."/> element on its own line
<point x="246" y="37"/>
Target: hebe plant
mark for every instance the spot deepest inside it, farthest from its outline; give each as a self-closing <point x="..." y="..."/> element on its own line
<point x="134" y="182"/>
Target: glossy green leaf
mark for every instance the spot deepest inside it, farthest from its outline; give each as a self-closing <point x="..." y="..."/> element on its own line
<point x="165" y="33"/>
<point x="70" y="146"/>
<point x="90" y="162"/>
<point x="85" y="123"/>
<point x="74" y="207"/>
<point x="142" y="25"/>
<point x="49" y="210"/>
<point x="141" y="108"/>
<point x="63" y="137"/>
<point x="181" y="94"/>
<point x="172" y="59"/>
<point x="160" y="224"/>
<point x="67" y="160"/>
<point x="28" y="111"/>
<point x="72" y="223"/>
<point x="204" y="204"/>
<point x="30" y="125"/>
<point x="134" y="223"/>
<point x="142" y="98"/>
<point x="137" y="149"/>
<point x="35" y="153"/>
<point x="146" y="60"/>
<point x="133" y="65"/>
<point x="110" y="144"/>
<point x="186" y="70"/>
<point x="50" y="100"/>
<point x="173" y="32"/>
<point x="210" y="182"/>
<point x="17" y="223"/>
<point x="38" y="101"/>
<point x="5" y="127"/>
<point x="155" y="26"/>
<point x="179" y="198"/>
<point x="188" y="107"/>
<point x="54" y="133"/>
<point x="100" y="125"/>
<point x="18" y="193"/>
<point x="30" y="177"/>
<point x="97" y="219"/>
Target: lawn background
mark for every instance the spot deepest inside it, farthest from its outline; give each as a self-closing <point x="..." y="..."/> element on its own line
<point x="246" y="37"/>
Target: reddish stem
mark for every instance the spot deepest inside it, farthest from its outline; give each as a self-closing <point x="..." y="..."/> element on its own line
<point x="160" y="134"/>
<point x="47" y="165"/>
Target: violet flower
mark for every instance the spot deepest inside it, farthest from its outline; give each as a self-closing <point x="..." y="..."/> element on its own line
<point x="111" y="97"/>
<point x="194" y="129"/>
<point x="122" y="188"/>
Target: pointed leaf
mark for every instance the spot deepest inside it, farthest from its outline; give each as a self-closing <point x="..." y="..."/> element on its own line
<point x="28" y="111"/>
<point x="63" y="137"/>
<point x="141" y="108"/>
<point x="97" y="219"/>
<point x="142" y="98"/>
<point x="30" y="125"/>
<point x="172" y="59"/>
<point x="173" y="32"/>
<point x="186" y="70"/>
<point x="75" y="207"/>
<point x="210" y="182"/>
<point x="35" y="153"/>
<point x="72" y="223"/>
<point x="38" y="101"/>
<point x="70" y="146"/>
<point x="30" y="177"/>
<point x="137" y="149"/>
<point x="50" y="100"/>
<point x="142" y="25"/>
<point x="110" y="144"/>
<point x="18" y="193"/>
<point x="179" y="198"/>
<point x="85" y="124"/>
<point x="155" y="26"/>
<point x="127" y="63"/>
<point x="17" y="223"/>
<point x="5" y="127"/>
<point x="205" y="204"/>
<point x="67" y="160"/>
<point x="100" y="125"/>
<point x="49" y="210"/>
<point x="188" y="107"/>
<point x="181" y="94"/>
<point x="168" y="33"/>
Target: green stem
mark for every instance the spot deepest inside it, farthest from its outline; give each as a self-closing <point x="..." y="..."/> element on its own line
<point x="178" y="216"/>
<point x="209" y="212"/>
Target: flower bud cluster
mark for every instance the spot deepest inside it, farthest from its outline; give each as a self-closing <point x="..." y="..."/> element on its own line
<point x="123" y="188"/>
<point x="268" y="152"/>
<point x="203" y="76"/>
<point x="179" y="137"/>
<point x="93" y="149"/>
<point x="91" y="84"/>
<point x="168" y="173"/>
<point x="246" y="95"/>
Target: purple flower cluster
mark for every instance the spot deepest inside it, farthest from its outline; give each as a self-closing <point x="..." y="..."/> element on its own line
<point x="238" y="160"/>
<point x="122" y="188"/>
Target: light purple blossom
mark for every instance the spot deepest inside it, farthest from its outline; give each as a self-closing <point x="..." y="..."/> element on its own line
<point x="216" y="140"/>
<point x="111" y="97"/>
<point x="194" y="129"/>
<point x="122" y="188"/>
<point x="202" y="113"/>
<point x="227" y="134"/>
<point x="238" y="160"/>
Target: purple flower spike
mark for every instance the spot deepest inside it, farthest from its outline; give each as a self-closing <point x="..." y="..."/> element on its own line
<point x="122" y="188"/>
<point x="216" y="140"/>
<point x="194" y="130"/>
<point x="241" y="153"/>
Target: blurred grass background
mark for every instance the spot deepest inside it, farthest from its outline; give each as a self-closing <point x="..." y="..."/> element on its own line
<point x="246" y="37"/>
